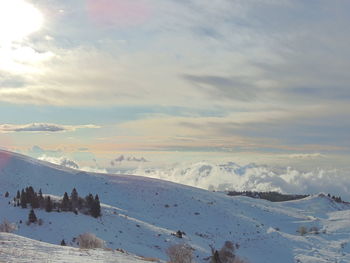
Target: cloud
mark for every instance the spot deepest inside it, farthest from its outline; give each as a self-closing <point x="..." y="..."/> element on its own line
<point x="306" y="155"/>
<point x="64" y="161"/>
<point x="224" y="87"/>
<point x="251" y="177"/>
<point x="59" y="161"/>
<point x="278" y="82"/>
<point x="123" y="158"/>
<point x="118" y="13"/>
<point x="43" y="127"/>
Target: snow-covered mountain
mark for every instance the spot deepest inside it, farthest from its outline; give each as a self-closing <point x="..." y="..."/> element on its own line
<point x="140" y="214"/>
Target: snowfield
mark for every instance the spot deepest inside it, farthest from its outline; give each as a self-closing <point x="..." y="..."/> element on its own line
<point x="14" y="248"/>
<point x="140" y="215"/>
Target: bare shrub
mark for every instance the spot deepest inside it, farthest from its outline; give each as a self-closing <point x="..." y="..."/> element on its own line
<point x="89" y="241"/>
<point x="180" y="253"/>
<point x="302" y="230"/>
<point x="7" y="227"/>
<point x="314" y="230"/>
<point x="40" y="222"/>
<point x="226" y="254"/>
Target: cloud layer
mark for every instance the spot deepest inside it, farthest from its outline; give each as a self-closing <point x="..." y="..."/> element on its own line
<point x="43" y="127"/>
<point x="255" y="75"/>
<point x="231" y="176"/>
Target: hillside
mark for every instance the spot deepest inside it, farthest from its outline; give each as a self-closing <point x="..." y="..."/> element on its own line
<point x="140" y="214"/>
<point x="19" y="249"/>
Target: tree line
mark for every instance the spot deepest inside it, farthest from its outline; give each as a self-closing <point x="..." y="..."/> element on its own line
<point x="90" y="205"/>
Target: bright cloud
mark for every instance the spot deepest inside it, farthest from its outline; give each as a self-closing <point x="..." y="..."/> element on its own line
<point x="251" y="177"/>
<point x="18" y="18"/>
<point x="43" y="127"/>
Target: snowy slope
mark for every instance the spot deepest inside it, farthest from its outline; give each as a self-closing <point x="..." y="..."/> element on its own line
<point x="18" y="249"/>
<point x="140" y="214"/>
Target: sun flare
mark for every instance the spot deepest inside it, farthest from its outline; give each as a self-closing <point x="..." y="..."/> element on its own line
<point x="18" y="19"/>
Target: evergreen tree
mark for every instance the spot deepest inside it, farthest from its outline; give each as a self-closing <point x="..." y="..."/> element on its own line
<point x="65" y="202"/>
<point x="74" y="199"/>
<point x="41" y="199"/>
<point x="35" y="201"/>
<point x="96" y="207"/>
<point x="89" y="201"/>
<point x="30" y="194"/>
<point x="32" y="217"/>
<point x="40" y="194"/>
<point x="63" y="243"/>
<point x="7" y="194"/>
<point x="48" y="204"/>
<point x="74" y="195"/>
<point x="23" y="199"/>
<point x="18" y="196"/>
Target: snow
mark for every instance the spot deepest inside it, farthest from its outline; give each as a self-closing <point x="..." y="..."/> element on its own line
<point x="14" y="248"/>
<point x="140" y="214"/>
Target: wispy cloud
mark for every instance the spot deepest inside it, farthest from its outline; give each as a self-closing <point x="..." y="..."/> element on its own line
<point x="306" y="155"/>
<point x="43" y="127"/>
<point x="277" y="81"/>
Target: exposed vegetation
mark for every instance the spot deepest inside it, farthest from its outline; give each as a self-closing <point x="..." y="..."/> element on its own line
<point x="270" y="196"/>
<point x="7" y="227"/>
<point x="89" y="241"/>
<point x="180" y="253"/>
<point x="226" y="254"/>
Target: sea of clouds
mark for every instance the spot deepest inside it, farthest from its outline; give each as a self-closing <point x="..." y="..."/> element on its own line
<point x="231" y="176"/>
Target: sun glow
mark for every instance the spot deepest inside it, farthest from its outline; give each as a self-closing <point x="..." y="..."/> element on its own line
<point x="18" y="19"/>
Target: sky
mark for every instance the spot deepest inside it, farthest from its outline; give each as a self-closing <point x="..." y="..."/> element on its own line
<point x="175" y="80"/>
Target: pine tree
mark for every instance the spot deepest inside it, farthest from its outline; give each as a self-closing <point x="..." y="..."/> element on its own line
<point x="40" y="194"/>
<point x="18" y="196"/>
<point x="74" y="199"/>
<point x="96" y="207"/>
<point x="65" y="202"/>
<point x="30" y="194"/>
<point x="48" y="204"/>
<point x="89" y="201"/>
<point x="7" y="194"/>
<point x="63" y="243"/>
<point x="23" y="199"/>
<point x="35" y="201"/>
<point x="32" y="217"/>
